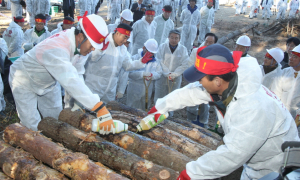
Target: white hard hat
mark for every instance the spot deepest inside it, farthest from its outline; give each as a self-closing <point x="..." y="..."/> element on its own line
<point x="244" y="41"/>
<point x="95" y="29"/>
<point x="127" y="15"/>
<point x="276" y="53"/>
<point x="151" y="45"/>
<point x="296" y="49"/>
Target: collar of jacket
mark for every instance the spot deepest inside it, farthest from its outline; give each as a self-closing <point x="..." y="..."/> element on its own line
<point x="227" y="95"/>
<point x="190" y="9"/>
<point x="39" y="33"/>
<point x="164" y="17"/>
<point x="269" y="69"/>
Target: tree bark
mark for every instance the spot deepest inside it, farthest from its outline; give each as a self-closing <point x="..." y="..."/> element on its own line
<point x="105" y="152"/>
<point x="135" y="143"/>
<point x="202" y="132"/>
<point x="74" y="165"/>
<point x="18" y="164"/>
<point x="4" y="177"/>
<point x="231" y="35"/>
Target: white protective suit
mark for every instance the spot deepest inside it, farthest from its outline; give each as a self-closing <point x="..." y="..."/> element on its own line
<point x="115" y="9"/>
<point x="294" y="6"/>
<point x="157" y="5"/>
<point x="35" y="7"/>
<point x="3" y="54"/>
<point x="103" y="68"/>
<point x="162" y="29"/>
<point x="8" y="4"/>
<point x="238" y="6"/>
<point x="125" y="4"/>
<point x="207" y="20"/>
<point x="58" y="29"/>
<point x="142" y="31"/>
<point x="255" y="126"/>
<point x="78" y="61"/>
<point x="136" y="88"/>
<point x="34" y="79"/>
<point x="287" y="89"/>
<point x="176" y="62"/>
<point x="269" y="79"/>
<point x="84" y="5"/>
<point x="146" y="2"/>
<point x="217" y="5"/>
<point x="16" y="8"/>
<point x="267" y="8"/>
<point x="182" y="5"/>
<point x="174" y="4"/>
<point x="199" y="4"/>
<point x="244" y="7"/>
<point x="281" y="8"/>
<point x="13" y="36"/>
<point x="189" y="27"/>
<point x="253" y="5"/>
<point x="31" y="38"/>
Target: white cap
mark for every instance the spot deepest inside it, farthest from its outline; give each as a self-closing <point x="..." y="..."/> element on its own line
<point x="244" y="41"/>
<point x="296" y="49"/>
<point x="95" y="28"/>
<point x="151" y="45"/>
<point x="276" y="53"/>
<point x="127" y="15"/>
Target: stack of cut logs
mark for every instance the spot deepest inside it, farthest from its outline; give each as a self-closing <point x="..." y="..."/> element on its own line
<point x="77" y="153"/>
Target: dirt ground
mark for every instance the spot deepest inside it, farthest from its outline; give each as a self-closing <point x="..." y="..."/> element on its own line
<point x="225" y="22"/>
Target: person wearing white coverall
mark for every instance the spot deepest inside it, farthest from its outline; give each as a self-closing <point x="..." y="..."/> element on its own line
<point x="190" y="19"/>
<point x="151" y="72"/>
<point x="199" y="114"/>
<point x="84" y="5"/>
<point x="103" y="68"/>
<point x="115" y="10"/>
<point x="254" y="120"/>
<point x="294" y="8"/>
<point x="67" y="23"/>
<point x="243" y="43"/>
<point x="281" y="8"/>
<point x="157" y="5"/>
<point x="182" y="5"/>
<point x="126" y="17"/>
<point x="238" y="7"/>
<point x="244" y="7"/>
<point x="173" y="58"/>
<point x="271" y="68"/>
<point x="35" y="7"/>
<point x="16" y="8"/>
<point x="37" y="34"/>
<point x="253" y="8"/>
<point x="164" y="25"/>
<point x="3" y="54"/>
<point x="8" y="4"/>
<point x="207" y="20"/>
<point x="143" y="30"/>
<point x="13" y="36"/>
<point x="35" y="76"/>
<point x="266" y="6"/>
<point x="125" y="4"/>
<point x="287" y="86"/>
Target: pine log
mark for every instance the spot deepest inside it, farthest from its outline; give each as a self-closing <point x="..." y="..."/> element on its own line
<point x="105" y="152"/>
<point x="4" y="177"/>
<point x="231" y="35"/>
<point x="202" y="133"/>
<point x="139" y="145"/>
<point x="74" y="165"/>
<point x="18" y="164"/>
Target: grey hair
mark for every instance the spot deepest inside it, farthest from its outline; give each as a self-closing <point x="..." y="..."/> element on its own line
<point x="175" y="31"/>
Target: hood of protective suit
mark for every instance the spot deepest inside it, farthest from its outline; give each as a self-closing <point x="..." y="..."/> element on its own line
<point x="245" y="76"/>
<point x="59" y="25"/>
<point x="14" y="25"/>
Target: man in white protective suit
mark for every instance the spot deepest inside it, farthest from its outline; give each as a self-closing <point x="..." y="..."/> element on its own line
<point x="271" y="68"/>
<point x="287" y="86"/>
<point x="3" y="54"/>
<point x="294" y="8"/>
<point x="125" y="4"/>
<point x="254" y="120"/>
<point x="173" y="58"/>
<point x="164" y="25"/>
<point x="143" y="30"/>
<point x="13" y="36"/>
<point x="182" y="5"/>
<point x="115" y="10"/>
<point x="35" y="76"/>
<point x="138" y="79"/>
<point x="126" y="18"/>
<point x="190" y="19"/>
<point x="281" y="8"/>
<point x="84" y="5"/>
<point x="266" y="8"/>
<point x="103" y="68"/>
<point x="16" y="8"/>
<point x="207" y="20"/>
<point x="35" y="7"/>
<point x="238" y="7"/>
<point x="37" y="34"/>
<point x="243" y="43"/>
<point x="253" y="8"/>
<point x="67" y="23"/>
